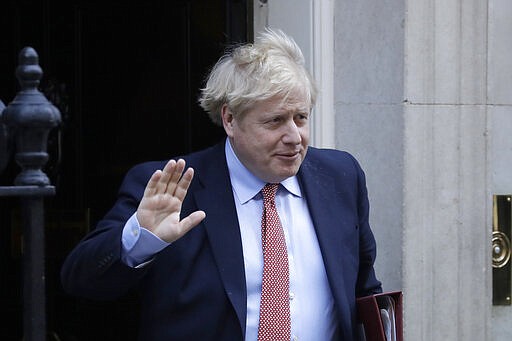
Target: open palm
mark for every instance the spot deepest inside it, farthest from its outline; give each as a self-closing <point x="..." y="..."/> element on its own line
<point x="160" y="208"/>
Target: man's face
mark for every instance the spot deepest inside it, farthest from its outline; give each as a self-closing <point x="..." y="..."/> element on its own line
<point x="271" y="138"/>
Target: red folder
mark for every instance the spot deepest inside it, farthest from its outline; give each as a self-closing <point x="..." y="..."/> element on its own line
<point x="377" y="313"/>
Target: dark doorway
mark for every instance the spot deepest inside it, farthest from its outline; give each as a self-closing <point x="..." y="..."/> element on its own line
<point x="125" y="76"/>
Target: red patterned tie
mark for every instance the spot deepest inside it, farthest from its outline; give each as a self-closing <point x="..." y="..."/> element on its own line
<point x="275" y="304"/>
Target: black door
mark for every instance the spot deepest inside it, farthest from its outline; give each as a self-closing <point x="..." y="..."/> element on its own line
<point x="125" y="76"/>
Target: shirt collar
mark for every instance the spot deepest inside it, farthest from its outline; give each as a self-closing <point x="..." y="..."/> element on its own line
<point x="245" y="184"/>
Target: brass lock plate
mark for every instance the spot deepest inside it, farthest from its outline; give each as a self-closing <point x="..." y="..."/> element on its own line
<point x="501" y="251"/>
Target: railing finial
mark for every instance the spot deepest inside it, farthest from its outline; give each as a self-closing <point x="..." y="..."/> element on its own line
<point x="29" y="118"/>
<point x="28" y="72"/>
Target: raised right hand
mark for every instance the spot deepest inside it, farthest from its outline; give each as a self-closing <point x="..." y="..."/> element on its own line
<point x="160" y="208"/>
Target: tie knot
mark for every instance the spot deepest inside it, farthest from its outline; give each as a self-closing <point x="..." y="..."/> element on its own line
<point x="269" y="192"/>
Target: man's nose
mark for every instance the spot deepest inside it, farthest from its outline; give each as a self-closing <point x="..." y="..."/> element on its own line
<point x="292" y="133"/>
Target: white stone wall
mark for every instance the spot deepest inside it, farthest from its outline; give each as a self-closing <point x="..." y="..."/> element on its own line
<point x="368" y="102"/>
<point x="411" y="104"/>
<point x="446" y="240"/>
<point x="500" y="126"/>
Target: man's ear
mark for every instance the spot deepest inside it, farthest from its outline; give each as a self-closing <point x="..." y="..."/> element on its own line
<point x="227" y="119"/>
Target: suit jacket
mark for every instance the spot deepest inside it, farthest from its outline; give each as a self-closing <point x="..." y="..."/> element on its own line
<point x="195" y="288"/>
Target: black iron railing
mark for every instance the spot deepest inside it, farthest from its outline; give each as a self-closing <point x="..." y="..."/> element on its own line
<point x="24" y="127"/>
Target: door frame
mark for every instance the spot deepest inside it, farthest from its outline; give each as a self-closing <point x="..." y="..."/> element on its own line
<point x="314" y="33"/>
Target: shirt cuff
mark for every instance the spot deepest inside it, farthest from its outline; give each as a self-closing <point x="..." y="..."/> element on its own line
<point x="139" y="244"/>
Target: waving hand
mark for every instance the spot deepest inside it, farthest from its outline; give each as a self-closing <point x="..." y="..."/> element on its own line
<point x="160" y="208"/>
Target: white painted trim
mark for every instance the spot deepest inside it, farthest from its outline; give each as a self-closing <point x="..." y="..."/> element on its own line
<point x="314" y="33"/>
<point x="260" y="16"/>
<point x="323" y="120"/>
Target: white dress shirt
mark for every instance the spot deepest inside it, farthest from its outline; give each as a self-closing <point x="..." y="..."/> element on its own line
<point x="311" y="304"/>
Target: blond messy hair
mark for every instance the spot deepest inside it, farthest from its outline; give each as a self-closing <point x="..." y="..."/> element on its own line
<point x="272" y="66"/>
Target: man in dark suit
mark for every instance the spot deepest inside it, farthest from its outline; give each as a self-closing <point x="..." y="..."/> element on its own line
<point x="189" y="239"/>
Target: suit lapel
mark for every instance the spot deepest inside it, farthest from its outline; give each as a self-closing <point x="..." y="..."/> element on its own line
<point x="327" y="214"/>
<point x="222" y="227"/>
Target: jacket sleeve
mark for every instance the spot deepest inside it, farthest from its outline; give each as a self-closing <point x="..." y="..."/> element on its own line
<point x="367" y="282"/>
<point x="94" y="269"/>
